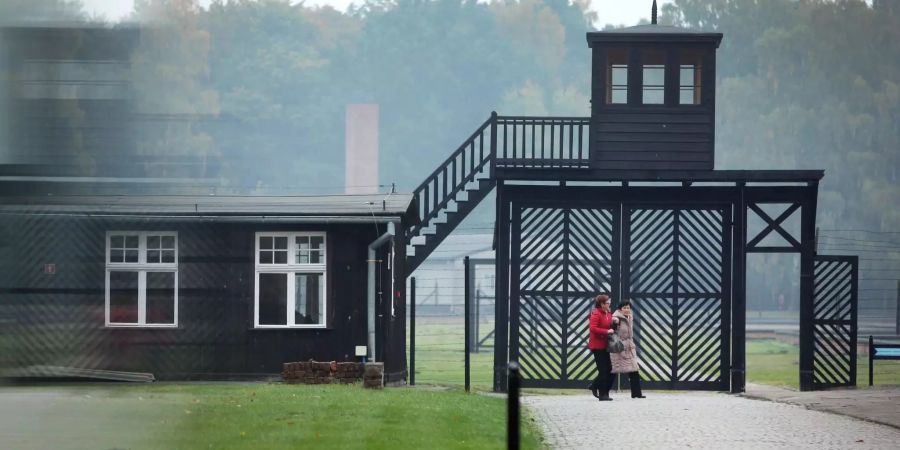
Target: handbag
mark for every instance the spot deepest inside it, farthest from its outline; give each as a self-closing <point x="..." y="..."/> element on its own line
<point x="614" y="344"/>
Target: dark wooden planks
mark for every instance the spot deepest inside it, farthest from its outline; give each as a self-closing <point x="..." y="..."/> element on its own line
<point x="663" y="141"/>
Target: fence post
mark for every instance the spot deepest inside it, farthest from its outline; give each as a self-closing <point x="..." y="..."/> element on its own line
<point x="412" y="331"/>
<point x="477" y="328"/>
<point x="468" y="317"/>
<point x="871" y="357"/>
<point x="512" y="407"/>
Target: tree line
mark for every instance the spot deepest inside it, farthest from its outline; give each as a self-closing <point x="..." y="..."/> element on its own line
<point x="802" y="84"/>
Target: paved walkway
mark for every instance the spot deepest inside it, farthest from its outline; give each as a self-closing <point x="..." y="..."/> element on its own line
<point x="699" y="420"/>
<point x="875" y="404"/>
<point x="85" y="417"/>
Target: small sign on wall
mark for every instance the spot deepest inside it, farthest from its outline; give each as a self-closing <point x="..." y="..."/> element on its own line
<point x="361" y="350"/>
<point x="50" y="269"/>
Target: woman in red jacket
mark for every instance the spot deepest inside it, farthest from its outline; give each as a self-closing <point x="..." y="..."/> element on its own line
<point x="601" y="325"/>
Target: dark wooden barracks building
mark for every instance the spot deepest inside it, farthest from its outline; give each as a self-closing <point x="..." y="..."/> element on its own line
<point x="188" y="287"/>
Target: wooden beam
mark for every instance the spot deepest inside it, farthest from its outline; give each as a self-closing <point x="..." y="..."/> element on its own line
<point x="693" y="176"/>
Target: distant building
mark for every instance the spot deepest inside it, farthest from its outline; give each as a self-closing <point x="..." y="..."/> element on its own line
<point x="70" y="107"/>
<point x="69" y="99"/>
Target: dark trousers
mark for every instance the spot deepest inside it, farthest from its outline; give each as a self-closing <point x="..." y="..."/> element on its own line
<point x="604" y="380"/>
<point x="634" y="379"/>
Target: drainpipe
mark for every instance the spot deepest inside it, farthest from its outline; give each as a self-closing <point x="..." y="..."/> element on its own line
<point x="383" y="239"/>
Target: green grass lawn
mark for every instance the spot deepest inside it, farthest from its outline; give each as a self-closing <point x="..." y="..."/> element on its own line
<point x="440" y="341"/>
<point x="269" y="416"/>
<point x="440" y="357"/>
<point x="777" y="363"/>
<point x="773" y="362"/>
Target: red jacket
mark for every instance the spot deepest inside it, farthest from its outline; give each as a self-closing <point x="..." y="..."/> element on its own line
<point x="600" y="323"/>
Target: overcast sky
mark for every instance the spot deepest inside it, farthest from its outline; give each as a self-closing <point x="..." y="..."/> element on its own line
<point x="619" y="12"/>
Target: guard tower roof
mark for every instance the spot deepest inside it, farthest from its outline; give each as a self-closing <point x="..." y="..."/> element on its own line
<point x="653" y="33"/>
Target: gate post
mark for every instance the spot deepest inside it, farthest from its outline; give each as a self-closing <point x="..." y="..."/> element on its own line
<point x="501" y="297"/>
<point x="739" y="294"/>
<point x="807" y="269"/>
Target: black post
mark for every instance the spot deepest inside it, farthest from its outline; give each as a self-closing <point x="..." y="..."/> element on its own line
<point x="898" y="308"/>
<point x="476" y="331"/>
<point x="412" y="331"/>
<point x="468" y="309"/>
<point x="807" y="274"/>
<point x="501" y="297"/>
<point x="512" y="407"/>
<point x="515" y="268"/>
<point x="739" y="293"/>
<point x="728" y="245"/>
<point x="871" y="355"/>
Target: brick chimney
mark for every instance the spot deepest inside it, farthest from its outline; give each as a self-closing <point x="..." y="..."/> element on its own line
<point x="361" y="144"/>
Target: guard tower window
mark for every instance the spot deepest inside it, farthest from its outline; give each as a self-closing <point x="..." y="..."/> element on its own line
<point x="653" y="63"/>
<point x="616" y="77"/>
<point x="689" y="79"/>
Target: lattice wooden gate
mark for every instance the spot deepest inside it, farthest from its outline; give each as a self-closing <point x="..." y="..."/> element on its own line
<point x="672" y="262"/>
<point x="561" y="258"/>
<point x="834" y="321"/>
<point x="676" y="267"/>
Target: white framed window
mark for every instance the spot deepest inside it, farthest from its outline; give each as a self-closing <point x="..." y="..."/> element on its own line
<point x="689" y="76"/>
<point x="141" y="279"/>
<point x="289" y="290"/>
<point x="617" y="76"/>
<point x="653" y="72"/>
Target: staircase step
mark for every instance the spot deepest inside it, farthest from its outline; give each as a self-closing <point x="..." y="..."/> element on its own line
<point x="444" y="224"/>
<point x="479" y="184"/>
<point x="456" y="203"/>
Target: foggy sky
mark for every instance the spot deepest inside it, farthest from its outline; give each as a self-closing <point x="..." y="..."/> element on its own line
<point x="617" y="12"/>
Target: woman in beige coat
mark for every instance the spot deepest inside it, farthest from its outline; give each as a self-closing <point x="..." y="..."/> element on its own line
<point x="626" y="361"/>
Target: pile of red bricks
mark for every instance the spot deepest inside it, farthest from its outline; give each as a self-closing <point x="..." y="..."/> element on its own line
<point x="312" y="372"/>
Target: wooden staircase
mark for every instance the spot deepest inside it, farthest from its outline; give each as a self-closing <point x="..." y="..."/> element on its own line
<point x="460" y="183"/>
<point x="451" y="192"/>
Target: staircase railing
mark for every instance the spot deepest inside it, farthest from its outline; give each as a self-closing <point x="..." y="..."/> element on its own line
<point x="503" y="142"/>
<point x="451" y="177"/>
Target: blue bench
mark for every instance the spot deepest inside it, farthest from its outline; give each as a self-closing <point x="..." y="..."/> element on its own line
<point x="881" y="351"/>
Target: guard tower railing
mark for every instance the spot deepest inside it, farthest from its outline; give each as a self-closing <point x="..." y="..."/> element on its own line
<point x="543" y="142"/>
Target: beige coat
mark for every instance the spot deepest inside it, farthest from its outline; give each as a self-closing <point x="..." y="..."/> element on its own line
<point x="625" y="361"/>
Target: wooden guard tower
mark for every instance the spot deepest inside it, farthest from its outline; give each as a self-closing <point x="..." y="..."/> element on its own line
<point x="653" y="98"/>
<point x="634" y="207"/>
